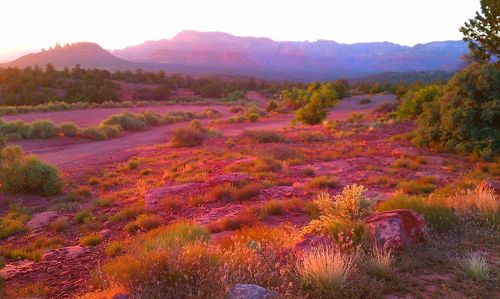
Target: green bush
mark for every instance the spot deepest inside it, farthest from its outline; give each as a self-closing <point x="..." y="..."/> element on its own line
<point x="94" y="133"/>
<point x="413" y="102"/>
<point x="253" y="117"/>
<point x="128" y="121"/>
<point x="311" y="114"/>
<point x="21" y="173"/>
<point x="69" y="129"/>
<point x="44" y="129"/>
<point x="465" y="119"/>
<point x="187" y="137"/>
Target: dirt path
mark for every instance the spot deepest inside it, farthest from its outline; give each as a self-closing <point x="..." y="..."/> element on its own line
<point x="77" y="156"/>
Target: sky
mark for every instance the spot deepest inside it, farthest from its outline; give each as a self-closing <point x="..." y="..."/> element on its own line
<point x="30" y="25"/>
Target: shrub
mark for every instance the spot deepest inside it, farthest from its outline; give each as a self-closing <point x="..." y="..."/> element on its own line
<point x="365" y="101"/>
<point x="308" y="171"/>
<point x="321" y="182"/>
<point x="378" y="262"/>
<point x="60" y="224"/>
<point x="267" y="164"/>
<point x="413" y="101"/>
<point x="91" y="240"/>
<point x="464" y="118"/>
<point x="21" y="173"/>
<point x="476" y="267"/>
<point x="415" y="187"/>
<point x="246" y="192"/>
<point x="174" y="235"/>
<point x="272" y="105"/>
<point x="113" y="249"/>
<point x="311" y="114"/>
<point x="405" y="163"/>
<point x="265" y="136"/>
<point x="12" y="224"/>
<point x="148" y="222"/>
<point x="133" y="163"/>
<point x="187" y="137"/>
<point x="349" y="206"/>
<point x="311" y="137"/>
<point x="82" y="216"/>
<point x="127" y="213"/>
<point x="128" y="121"/>
<point x="94" y="133"/>
<point x="111" y="131"/>
<point x="325" y="269"/>
<point x="44" y="129"/>
<point x="69" y="129"/>
<point x="253" y="117"/>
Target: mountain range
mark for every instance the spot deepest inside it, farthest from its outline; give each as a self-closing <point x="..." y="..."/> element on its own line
<point x="199" y="53"/>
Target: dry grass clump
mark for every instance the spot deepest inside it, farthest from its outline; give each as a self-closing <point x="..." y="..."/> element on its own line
<point x="326" y="269"/>
<point x="244" y="218"/>
<point x="378" y="261"/>
<point x="91" y="240"/>
<point x="114" y="248"/>
<point x="192" y="136"/>
<point x="322" y="182"/>
<point x="476" y="267"/>
<point x="265" y="136"/>
<point x="380" y="180"/>
<point x="405" y="163"/>
<point x="13" y="223"/>
<point x="415" y="187"/>
<point x="22" y="173"/>
<point x="308" y="171"/>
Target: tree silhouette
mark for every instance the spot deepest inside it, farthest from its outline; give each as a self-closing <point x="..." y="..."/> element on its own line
<point x="483" y="33"/>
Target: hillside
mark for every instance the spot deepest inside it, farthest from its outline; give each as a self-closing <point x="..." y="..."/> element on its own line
<point x="86" y="54"/>
<point x="201" y="53"/>
<point x="322" y="59"/>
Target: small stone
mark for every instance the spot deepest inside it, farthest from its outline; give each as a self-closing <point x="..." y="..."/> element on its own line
<point x="105" y="233"/>
<point x="251" y="291"/>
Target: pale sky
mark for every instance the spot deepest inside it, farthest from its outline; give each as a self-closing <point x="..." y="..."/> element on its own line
<point x="29" y="25"/>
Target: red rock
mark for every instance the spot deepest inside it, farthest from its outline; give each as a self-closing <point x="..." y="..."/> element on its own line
<point x="397" y="229"/>
<point x="16" y="268"/>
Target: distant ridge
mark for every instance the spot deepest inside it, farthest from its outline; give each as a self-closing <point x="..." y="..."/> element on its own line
<point x="86" y="54"/>
<point x="201" y="53"/>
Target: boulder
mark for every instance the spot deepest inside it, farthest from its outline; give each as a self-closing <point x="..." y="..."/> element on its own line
<point x="251" y="291"/>
<point x="397" y="229"/>
<point x="41" y="219"/>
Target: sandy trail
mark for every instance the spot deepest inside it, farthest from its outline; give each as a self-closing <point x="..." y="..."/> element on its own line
<point x="76" y="157"/>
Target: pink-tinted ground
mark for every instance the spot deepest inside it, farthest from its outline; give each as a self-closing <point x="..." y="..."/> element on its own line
<point x="77" y="156"/>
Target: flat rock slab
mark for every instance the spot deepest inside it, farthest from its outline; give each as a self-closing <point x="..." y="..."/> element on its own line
<point x="12" y="269"/>
<point x="153" y="196"/>
<point x="64" y="252"/>
<point x="41" y="219"/>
